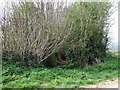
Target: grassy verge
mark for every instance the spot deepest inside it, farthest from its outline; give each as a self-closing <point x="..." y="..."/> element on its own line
<point x="16" y="77"/>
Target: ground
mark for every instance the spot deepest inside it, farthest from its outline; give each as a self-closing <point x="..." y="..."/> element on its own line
<point x="105" y="84"/>
<point x="14" y="75"/>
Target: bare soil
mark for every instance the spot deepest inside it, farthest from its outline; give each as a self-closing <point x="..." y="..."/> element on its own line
<point x="105" y="84"/>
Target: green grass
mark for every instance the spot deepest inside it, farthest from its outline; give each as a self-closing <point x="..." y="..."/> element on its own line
<point x="16" y="77"/>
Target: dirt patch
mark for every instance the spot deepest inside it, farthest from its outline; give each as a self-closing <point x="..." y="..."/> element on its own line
<point x="105" y="84"/>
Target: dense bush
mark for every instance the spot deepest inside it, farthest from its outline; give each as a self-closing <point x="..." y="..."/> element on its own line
<point x="33" y="32"/>
<point x="88" y="43"/>
<point x="70" y="36"/>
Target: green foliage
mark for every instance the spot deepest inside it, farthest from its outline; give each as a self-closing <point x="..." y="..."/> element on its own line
<point x="58" y="77"/>
<point x="89" y="39"/>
